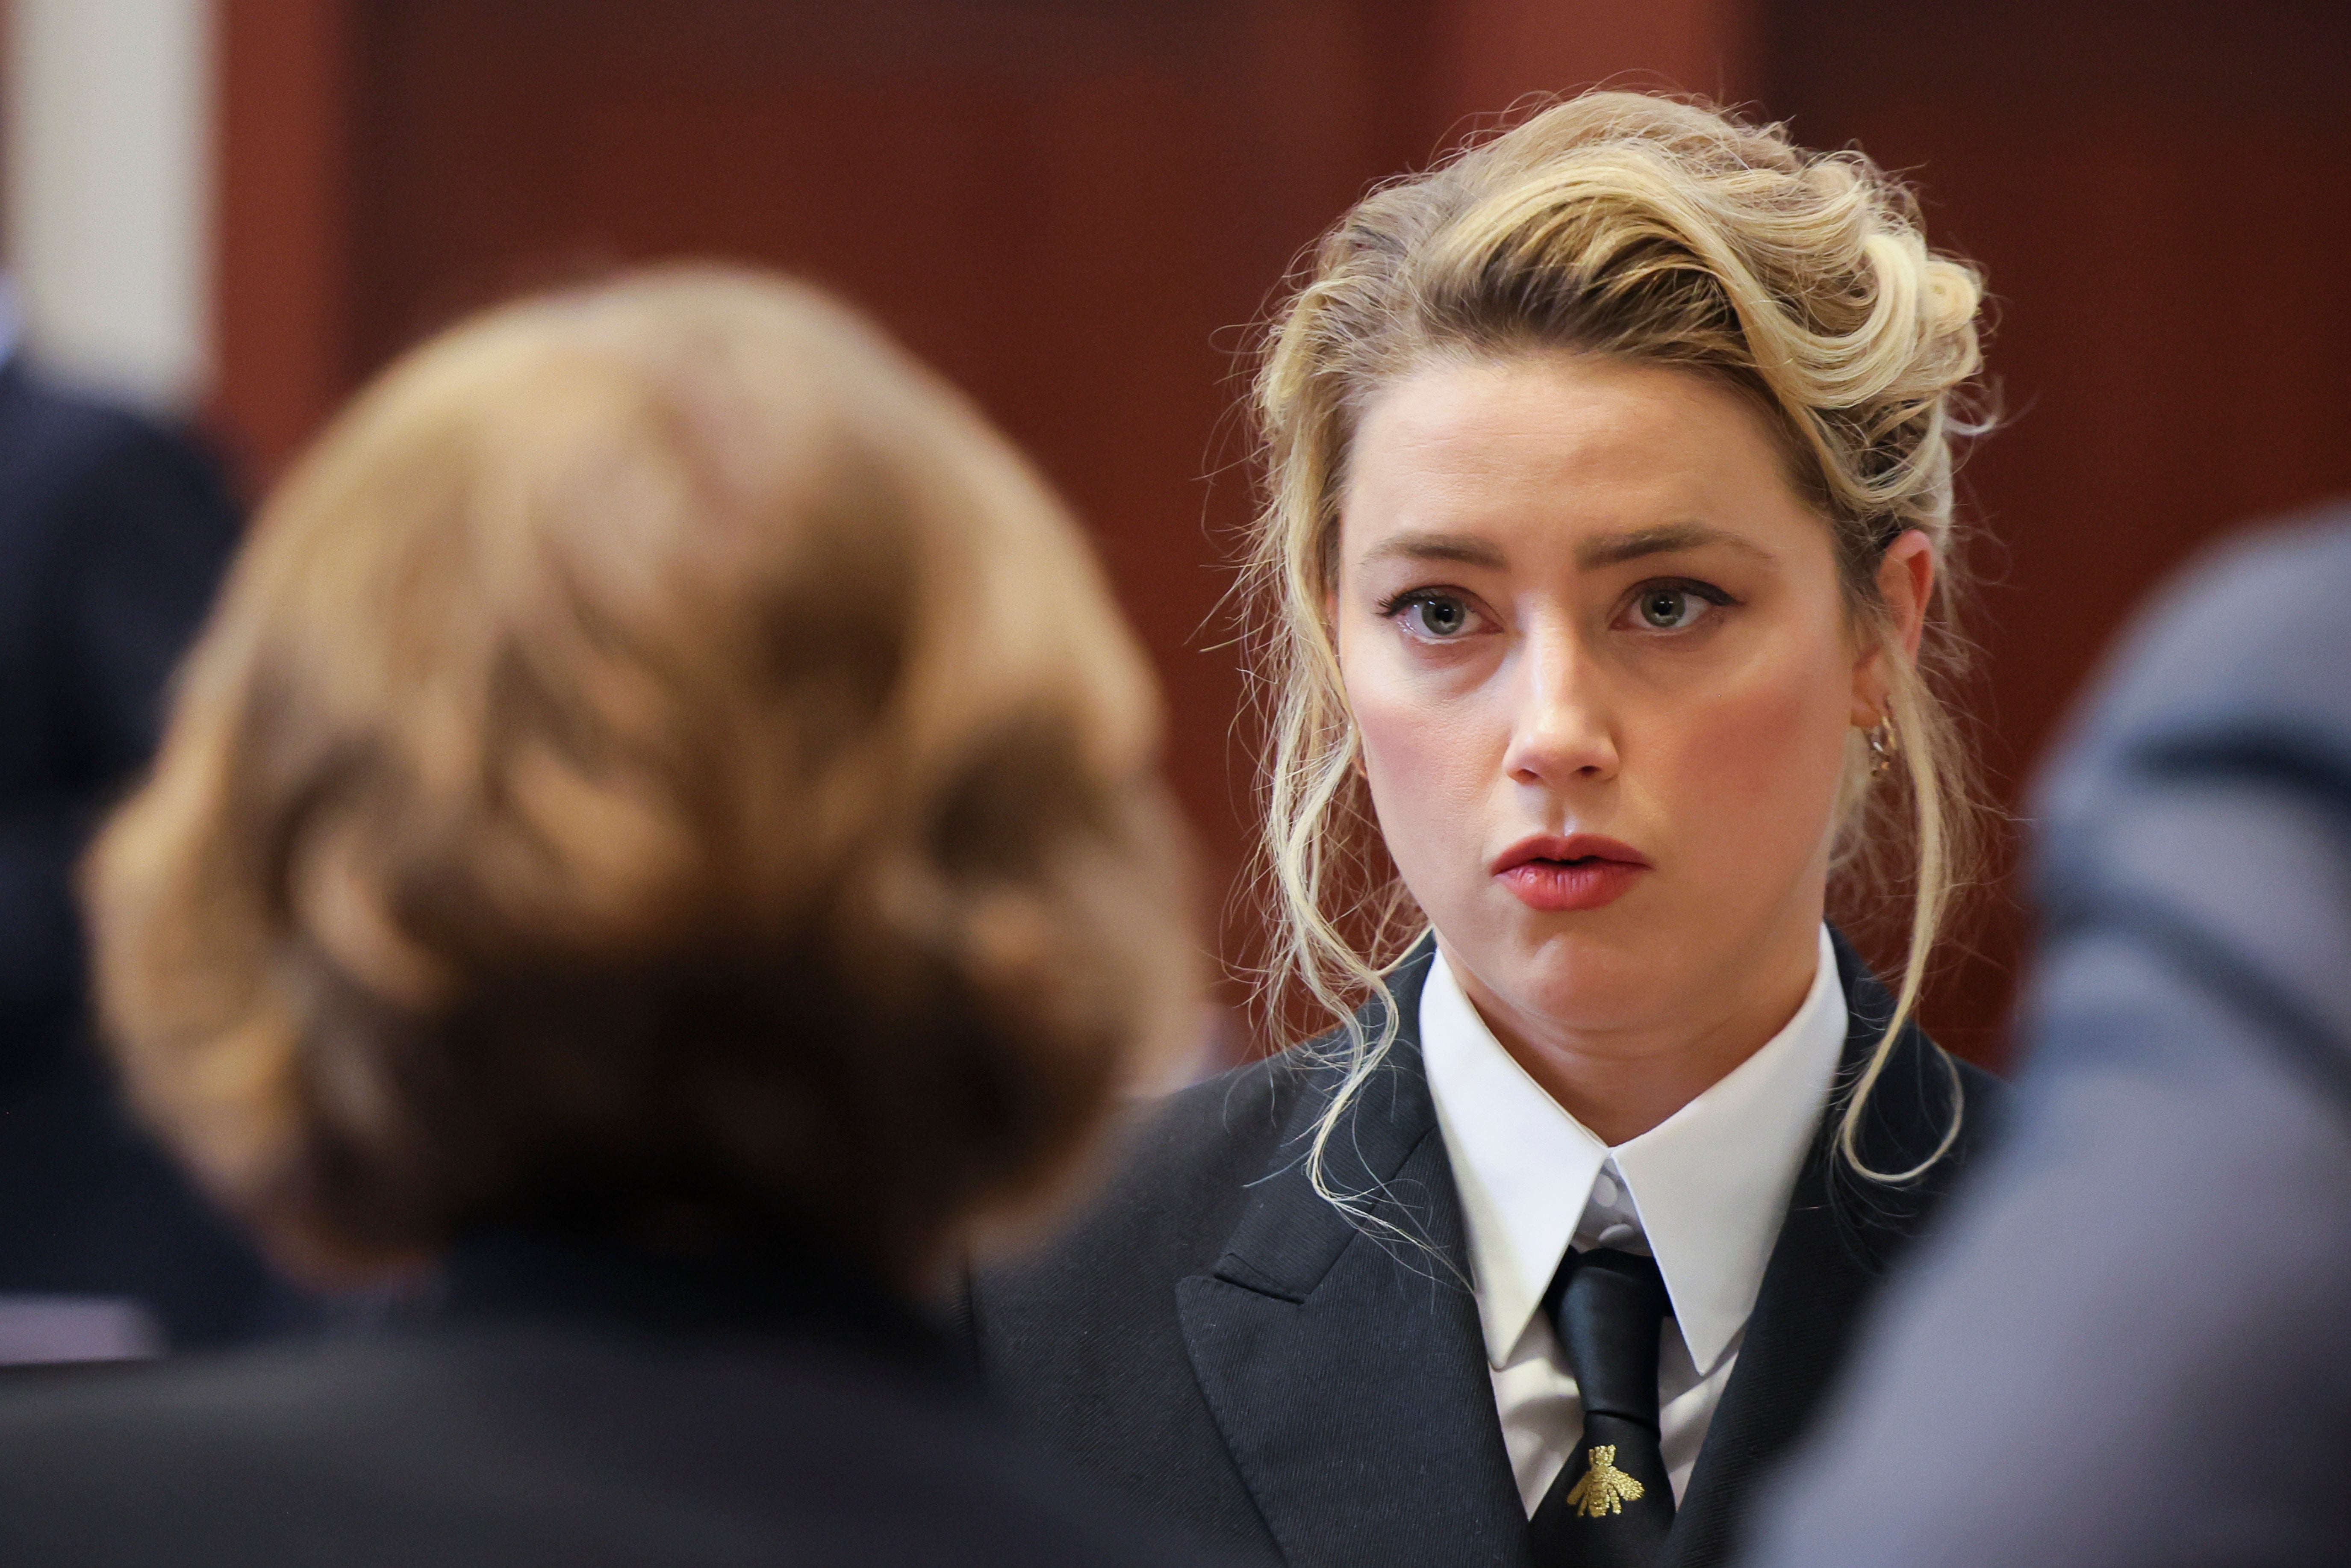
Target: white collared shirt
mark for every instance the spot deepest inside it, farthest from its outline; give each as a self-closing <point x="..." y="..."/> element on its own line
<point x="1703" y="1191"/>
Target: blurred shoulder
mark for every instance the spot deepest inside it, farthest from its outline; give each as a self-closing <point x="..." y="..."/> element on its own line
<point x="529" y="1443"/>
<point x="2249" y="640"/>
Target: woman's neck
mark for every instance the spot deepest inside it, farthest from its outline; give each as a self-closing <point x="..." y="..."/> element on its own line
<point x="1620" y="1081"/>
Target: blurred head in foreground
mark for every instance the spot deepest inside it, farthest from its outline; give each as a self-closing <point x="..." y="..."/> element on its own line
<point x="661" y="763"/>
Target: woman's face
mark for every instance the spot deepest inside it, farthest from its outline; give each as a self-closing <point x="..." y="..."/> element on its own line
<point x="1595" y="647"/>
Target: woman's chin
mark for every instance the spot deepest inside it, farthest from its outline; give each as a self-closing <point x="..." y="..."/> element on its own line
<point x="1587" y="969"/>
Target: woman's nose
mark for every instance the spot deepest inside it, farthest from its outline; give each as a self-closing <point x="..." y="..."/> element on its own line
<point x="1560" y="730"/>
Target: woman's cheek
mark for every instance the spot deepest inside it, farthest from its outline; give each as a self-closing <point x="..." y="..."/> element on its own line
<point x="1422" y="764"/>
<point x="1400" y="751"/>
<point x="1761" y="764"/>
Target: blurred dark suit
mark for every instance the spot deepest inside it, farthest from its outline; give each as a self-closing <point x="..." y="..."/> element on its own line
<point x="2133" y="1346"/>
<point x="113" y="536"/>
<point x="571" y="1406"/>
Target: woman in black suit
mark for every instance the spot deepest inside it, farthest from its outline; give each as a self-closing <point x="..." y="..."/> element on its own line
<point x="630" y="843"/>
<point x="1605" y="568"/>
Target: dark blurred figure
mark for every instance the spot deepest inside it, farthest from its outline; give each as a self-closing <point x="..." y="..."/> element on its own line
<point x="664" y="826"/>
<point x="113" y="536"/>
<point x="2134" y="1346"/>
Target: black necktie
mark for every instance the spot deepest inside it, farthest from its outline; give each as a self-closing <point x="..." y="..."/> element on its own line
<point x="1612" y="1504"/>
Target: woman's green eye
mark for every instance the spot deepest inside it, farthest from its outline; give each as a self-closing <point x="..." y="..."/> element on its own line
<point x="1441" y="617"/>
<point x="1668" y="609"/>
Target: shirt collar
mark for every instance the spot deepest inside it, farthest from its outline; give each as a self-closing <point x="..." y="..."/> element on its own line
<point x="1710" y="1183"/>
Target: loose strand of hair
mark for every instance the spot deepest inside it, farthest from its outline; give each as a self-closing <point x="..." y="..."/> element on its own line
<point x="1924" y="746"/>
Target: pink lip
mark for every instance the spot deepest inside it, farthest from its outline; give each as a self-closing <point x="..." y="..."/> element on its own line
<point x="1582" y="871"/>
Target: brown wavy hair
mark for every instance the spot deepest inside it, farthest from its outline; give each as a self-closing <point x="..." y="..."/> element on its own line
<point x="661" y="751"/>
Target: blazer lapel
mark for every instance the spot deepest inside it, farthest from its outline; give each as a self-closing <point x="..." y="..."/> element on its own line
<point x="1345" y="1365"/>
<point x="1839" y="1237"/>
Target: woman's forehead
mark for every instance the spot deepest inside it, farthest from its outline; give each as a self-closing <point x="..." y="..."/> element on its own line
<point x="1602" y="460"/>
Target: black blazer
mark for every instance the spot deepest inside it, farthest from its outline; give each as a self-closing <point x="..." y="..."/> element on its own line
<point x="1215" y="1344"/>
<point x="572" y="1406"/>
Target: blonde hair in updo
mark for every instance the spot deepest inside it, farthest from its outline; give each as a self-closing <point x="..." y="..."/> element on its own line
<point x="1661" y="233"/>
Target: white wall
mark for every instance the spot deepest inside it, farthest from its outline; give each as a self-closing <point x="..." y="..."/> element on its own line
<point x="109" y="139"/>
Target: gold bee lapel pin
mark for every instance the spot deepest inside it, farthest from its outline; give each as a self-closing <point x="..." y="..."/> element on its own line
<point x="1603" y="1488"/>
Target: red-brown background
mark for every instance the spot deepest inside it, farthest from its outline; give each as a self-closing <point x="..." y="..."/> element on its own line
<point x="1077" y="208"/>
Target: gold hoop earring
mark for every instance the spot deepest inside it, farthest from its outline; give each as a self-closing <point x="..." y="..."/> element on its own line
<point x="1884" y="744"/>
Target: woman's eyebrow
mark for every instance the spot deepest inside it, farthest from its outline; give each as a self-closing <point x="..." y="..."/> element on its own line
<point x="1465" y="549"/>
<point x="1613" y="549"/>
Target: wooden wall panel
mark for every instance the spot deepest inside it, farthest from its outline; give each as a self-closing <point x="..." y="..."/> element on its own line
<point x="285" y="290"/>
<point x="1484" y="55"/>
<point x="2161" y="195"/>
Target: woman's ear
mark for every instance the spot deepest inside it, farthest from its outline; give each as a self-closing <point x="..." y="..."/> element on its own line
<point x="1906" y="585"/>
